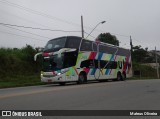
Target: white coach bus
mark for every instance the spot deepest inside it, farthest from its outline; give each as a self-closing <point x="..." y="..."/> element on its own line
<point x="72" y="58"/>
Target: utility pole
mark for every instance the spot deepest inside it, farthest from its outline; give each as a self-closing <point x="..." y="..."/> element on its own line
<point x="131" y="44"/>
<point x="82" y="26"/>
<point x="157" y="65"/>
<point x="131" y="53"/>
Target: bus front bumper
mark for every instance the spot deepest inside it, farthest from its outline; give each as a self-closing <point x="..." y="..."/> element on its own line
<point x="51" y="79"/>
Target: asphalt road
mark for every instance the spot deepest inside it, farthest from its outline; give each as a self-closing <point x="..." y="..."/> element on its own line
<point x="120" y="95"/>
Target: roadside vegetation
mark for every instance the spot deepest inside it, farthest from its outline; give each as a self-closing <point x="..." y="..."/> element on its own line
<point x="17" y="67"/>
<point x="143" y="72"/>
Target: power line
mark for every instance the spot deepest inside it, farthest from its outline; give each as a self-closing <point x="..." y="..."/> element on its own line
<point x="28" y="27"/>
<point x="20" y="35"/>
<point x="122" y="35"/>
<point x="24" y="19"/>
<point x="7" y="25"/>
<point x="27" y="32"/>
<point x="54" y="18"/>
<point x="37" y="12"/>
<point x="51" y="17"/>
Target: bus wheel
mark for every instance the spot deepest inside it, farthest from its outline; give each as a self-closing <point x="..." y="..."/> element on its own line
<point x="119" y="76"/>
<point x="62" y="83"/>
<point x="123" y="76"/>
<point x="82" y="78"/>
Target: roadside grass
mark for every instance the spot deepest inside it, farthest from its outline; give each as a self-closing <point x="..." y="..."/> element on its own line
<point x="141" y="78"/>
<point x="20" y="81"/>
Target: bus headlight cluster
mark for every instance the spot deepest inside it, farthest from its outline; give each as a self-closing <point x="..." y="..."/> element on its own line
<point x="59" y="74"/>
<point x="41" y="73"/>
<point x="64" y="70"/>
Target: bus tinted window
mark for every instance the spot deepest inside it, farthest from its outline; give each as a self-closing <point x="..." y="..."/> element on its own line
<point x="89" y="64"/>
<point x="108" y="64"/>
<point x="86" y="45"/>
<point x="70" y="59"/>
<point x="103" y="64"/>
<point x="107" y="49"/>
<point x="73" y="42"/>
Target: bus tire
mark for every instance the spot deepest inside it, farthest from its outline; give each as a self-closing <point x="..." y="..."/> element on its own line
<point x="82" y="78"/>
<point x="123" y="76"/>
<point x="62" y="83"/>
<point x="119" y="76"/>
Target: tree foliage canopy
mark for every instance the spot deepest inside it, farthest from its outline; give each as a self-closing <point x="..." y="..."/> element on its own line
<point x="108" y="38"/>
<point x="142" y="55"/>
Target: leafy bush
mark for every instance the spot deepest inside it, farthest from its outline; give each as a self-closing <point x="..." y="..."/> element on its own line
<point x="146" y="71"/>
<point x="15" y="62"/>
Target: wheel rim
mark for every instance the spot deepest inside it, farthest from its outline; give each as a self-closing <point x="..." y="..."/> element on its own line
<point x="81" y="78"/>
<point x="118" y="77"/>
<point x="123" y="76"/>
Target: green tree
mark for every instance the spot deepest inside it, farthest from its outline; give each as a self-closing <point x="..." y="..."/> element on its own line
<point x="141" y="55"/>
<point x="27" y="53"/>
<point x="108" y="38"/>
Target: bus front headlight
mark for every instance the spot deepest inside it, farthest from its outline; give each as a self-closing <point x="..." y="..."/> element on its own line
<point x="59" y="74"/>
<point x="41" y="73"/>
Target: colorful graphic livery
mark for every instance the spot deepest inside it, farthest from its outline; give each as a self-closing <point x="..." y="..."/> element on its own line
<point x="72" y="58"/>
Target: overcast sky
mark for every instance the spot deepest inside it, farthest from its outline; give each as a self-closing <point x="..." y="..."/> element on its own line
<point x="138" y="18"/>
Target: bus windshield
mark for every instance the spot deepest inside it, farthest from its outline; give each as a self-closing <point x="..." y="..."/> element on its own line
<point x="55" y="44"/>
<point x="60" y="61"/>
<point x="53" y="63"/>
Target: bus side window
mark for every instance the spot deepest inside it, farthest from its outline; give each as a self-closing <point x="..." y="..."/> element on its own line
<point x="113" y="65"/>
<point x="70" y="59"/>
<point x="85" y="63"/>
<point x="103" y="63"/>
<point x="86" y="45"/>
<point x="89" y="64"/>
<point x="108" y="64"/>
<point x="73" y="42"/>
